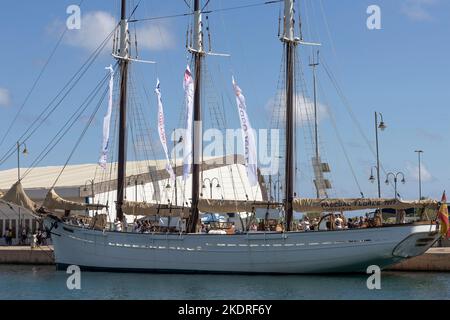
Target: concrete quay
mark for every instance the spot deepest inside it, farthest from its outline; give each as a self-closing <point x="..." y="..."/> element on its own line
<point x="26" y="255"/>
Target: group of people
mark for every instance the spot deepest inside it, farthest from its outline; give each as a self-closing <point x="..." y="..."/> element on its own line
<point x="26" y="237"/>
<point x="145" y="226"/>
<point x="331" y="222"/>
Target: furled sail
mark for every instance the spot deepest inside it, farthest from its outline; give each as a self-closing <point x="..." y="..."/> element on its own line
<point x="229" y="206"/>
<point x="205" y="205"/>
<point x="154" y="209"/>
<point x="54" y="202"/>
<point x="300" y="205"/>
<point x="17" y="195"/>
<point x="334" y="205"/>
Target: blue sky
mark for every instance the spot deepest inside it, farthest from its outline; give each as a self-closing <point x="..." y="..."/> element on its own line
<point x="401" y="71"/>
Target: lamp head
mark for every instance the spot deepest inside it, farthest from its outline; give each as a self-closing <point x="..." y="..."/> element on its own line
<point x="382" y="126"/>
<point x="387" y="182"/>
<point x="372" y="178"/>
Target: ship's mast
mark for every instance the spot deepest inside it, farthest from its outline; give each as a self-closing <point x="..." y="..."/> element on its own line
<point x="198" y="54"/>
<point x="314" y="65"/>
<point x="124" y="62"/>
<point x="290" y="48"/>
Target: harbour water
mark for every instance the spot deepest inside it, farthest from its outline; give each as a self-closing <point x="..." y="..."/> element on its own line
<point x="44" y="283"/>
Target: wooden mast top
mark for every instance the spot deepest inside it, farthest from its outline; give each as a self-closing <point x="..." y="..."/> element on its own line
<point x="290" y="45"/>
<point x="198" y="53"/>
<point x="123" y="58"/>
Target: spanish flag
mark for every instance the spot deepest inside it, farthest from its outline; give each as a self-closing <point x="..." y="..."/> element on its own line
<point x="443" y="217"/>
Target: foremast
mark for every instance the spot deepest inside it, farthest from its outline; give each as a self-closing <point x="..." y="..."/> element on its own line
<point x="198" y="55"/>
<point x="290" y="45"/>
<point x="123" y="58"/>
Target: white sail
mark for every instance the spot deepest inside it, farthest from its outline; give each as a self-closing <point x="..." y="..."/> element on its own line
<point x="189" y="97"/>
<point x="107" y="121"/>
<point x="248" y="136"/>
<point x="162" y="130"/>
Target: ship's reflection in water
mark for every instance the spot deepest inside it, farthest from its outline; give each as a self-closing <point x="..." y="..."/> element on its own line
<point x="43" y="282"/>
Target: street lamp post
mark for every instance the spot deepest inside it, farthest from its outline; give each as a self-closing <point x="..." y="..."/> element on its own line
<point x="395" y="176"/>
<point x="211" y="181"/>
<point x="419" y="154"/>
<point x="382" y="126"/>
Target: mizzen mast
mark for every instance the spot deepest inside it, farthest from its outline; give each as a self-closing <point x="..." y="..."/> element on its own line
<point x="290" y="44"/>
<point x="198" y="55"/>
<point x="123" y="57"/>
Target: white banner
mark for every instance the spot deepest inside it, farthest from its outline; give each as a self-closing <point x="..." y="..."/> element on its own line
<point x="248" y="137"/>
<point x="188" y="84"/>
<point x="162" y="130"/>
<point x="107" y="122"/>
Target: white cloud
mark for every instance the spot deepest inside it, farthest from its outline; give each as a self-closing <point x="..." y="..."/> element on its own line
<point x="418" y="10"/>
<point x="155" y="36"/>
<point x="413" y="172"/>
<point x="5" y="97"/>
<point x="96" y="26"/>
<point x="304" y="109"/>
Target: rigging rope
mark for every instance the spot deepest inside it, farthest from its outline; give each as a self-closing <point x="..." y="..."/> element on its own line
<point x="67" y="126"/>
<point x="70" y="85"/>
<point x="35" y="83"/>
<point x="207" y="12"/>
<point x="88" y="124"/>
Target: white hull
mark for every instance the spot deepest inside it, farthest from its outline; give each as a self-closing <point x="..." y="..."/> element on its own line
<point x="272" y="253"/>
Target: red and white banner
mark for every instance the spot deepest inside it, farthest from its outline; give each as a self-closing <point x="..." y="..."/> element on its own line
<point x="162" y="130"/>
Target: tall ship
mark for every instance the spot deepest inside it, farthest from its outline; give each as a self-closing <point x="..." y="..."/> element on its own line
<point x="189" y="248"/>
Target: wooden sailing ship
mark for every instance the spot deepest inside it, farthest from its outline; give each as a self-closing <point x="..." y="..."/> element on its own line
<point x="277" y="252"/>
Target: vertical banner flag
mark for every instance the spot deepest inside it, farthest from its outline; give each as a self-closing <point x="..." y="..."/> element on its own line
<point x="107" y="121"/>
<point x="188" y="84"/>
<point x="443" y="216"/>
<point x="162" y="129"/>
<point x="248" y="136"/>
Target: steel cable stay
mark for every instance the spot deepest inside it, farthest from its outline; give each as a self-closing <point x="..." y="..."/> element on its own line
<point x="350" y="111"/>
<point x="340" y="140"/>
<point x="67" y="125"/>
<point x="36" y="81"/>
<point x="207" y="12"/>
<point x="63" y="93"/>
<point x="87" y="126"/>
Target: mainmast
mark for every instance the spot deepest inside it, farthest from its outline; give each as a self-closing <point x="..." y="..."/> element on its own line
<point x="290" y="45"/>
<point x="198" y="53"/>
<point x="317" y="161"/>
<point x="123" y="57"/>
